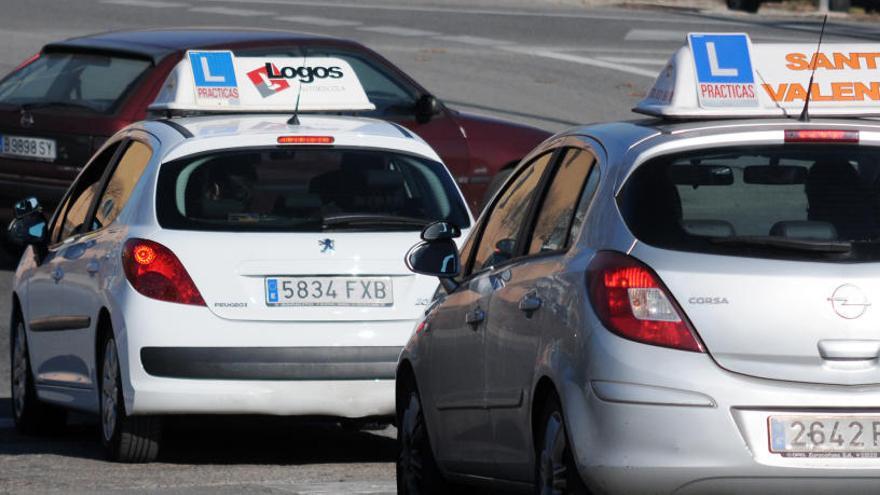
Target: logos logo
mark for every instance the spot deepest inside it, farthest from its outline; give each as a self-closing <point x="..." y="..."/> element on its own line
<point x="265" y="85"/>
<point x="724" y="70"/>
<point x="27" y="119"/>
<point x="214" y="75"/>
<point x="304" y="74"/>
<point x="327" y="245"/>
<point x="849" y="302"/>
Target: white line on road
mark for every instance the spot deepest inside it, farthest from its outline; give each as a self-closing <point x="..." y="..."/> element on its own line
<point x="318" y="21"/>
<point x="145" y="3"/>
<point x="228" y="11"/>
<point x="6" y="423"/>
<point x="595" y="62"/>
<point x="474" y="40"/>
<point x="397" y="31"/>
<point x="632" y="60"/>
<point x="655" y="35"/>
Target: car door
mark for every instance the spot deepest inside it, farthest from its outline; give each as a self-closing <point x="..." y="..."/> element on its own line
<point x="59" y="328"/>
<point x="458" y="329"/>
<point x="535" y="299"/>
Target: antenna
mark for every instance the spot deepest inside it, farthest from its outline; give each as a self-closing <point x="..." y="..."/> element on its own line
<point x="295" y="119"/>
<point x="805" y="113"/>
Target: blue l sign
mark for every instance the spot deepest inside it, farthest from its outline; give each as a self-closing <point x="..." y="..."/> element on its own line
<point x="213" y="69"/>
<point x="722" y="58"/>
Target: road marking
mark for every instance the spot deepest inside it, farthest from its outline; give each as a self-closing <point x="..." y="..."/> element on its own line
<point x="595" y="62"/>
<point x="318" y="21"/>
<point x="145" y="3"/>
<point x="6" y="423"/>
<point x="228" y="11"/>
<point x="474" y="40"/>
<point x="655" y="35"/>
<point x="397" y="31"/>
<point x="611" y="15"/>
<point x="633" y="60"/>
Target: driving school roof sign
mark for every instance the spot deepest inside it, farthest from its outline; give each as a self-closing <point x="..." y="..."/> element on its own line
<point x="220" y="81"/>
<point x="725" y="75"/>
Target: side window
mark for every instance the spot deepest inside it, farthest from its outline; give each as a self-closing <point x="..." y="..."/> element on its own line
<point x="554" y="221"/>
<point x="71" y="218"/>
<point x="499" y="238"/>
<point x="121" y="183"/>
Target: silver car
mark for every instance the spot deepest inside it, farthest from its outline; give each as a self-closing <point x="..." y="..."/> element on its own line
<point x="658" y="307"/>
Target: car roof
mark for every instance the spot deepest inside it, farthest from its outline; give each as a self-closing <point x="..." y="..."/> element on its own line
<point x="158" y="43"/>
<point x="209" y="132"/>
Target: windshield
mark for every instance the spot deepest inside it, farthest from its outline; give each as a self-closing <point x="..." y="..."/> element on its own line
<point x="819" y="202"/>
<point x="306" y="190"/>
<point x="84" y="81"/>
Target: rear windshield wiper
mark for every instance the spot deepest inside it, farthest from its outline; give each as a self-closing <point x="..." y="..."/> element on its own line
<point x="366" y="219"/>
<point x="815" y="246"/>
<point x="57" y="104"/>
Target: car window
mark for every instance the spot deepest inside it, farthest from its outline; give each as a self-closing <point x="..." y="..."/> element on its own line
<point x="306" y="190"/>
<point x="71" y="218"/>
<point x="92" y="81"/>
<point x="121" y="183"/>
<point x="391" y="95"/>
<point x="500" y="235"/>
<point x="554" y="220"/>
<point x="815" y="202"/>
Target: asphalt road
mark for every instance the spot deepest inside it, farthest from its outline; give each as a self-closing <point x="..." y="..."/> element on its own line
<point x="549" y="64"/>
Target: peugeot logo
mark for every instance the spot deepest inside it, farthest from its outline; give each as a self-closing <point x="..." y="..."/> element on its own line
<point x="849" y="302"/>
<point x="26" y="120"/>
<point x="327" y="245"/>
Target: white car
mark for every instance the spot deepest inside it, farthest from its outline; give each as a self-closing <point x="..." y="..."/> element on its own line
<point x="246" y="264"/>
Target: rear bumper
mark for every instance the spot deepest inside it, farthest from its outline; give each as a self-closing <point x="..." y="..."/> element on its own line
<point x="272" y="363"/>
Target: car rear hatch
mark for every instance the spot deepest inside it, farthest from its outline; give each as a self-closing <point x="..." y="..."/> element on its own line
<point x="305" y="233"/>
<point x="773" y="253"/>
<point x="57" y="109"/>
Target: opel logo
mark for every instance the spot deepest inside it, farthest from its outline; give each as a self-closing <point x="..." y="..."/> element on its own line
<point x="26" y="120"/>
<point x="849" y="302"/>
<point x="327" y="245"/>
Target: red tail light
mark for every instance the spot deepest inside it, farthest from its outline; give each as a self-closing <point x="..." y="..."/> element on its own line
<point x="155" y="272"/>
<point x="821" y="136"/>
<point x="306" y="139"/>
<point x="632" y="302"/>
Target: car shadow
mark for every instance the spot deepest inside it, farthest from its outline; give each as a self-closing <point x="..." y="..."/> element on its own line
<point x="217" y="440"/>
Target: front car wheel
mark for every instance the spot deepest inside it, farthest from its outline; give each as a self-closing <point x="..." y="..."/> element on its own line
<point x="417" y="471"/>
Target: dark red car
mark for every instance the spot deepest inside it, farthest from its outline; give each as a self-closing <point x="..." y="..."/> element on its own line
<point x="57" y="107"/>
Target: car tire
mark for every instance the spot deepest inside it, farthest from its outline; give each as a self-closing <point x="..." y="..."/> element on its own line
<point x="555" y="469"/>
<point x="744" y="5"/>
<point x="30" y="415"/>
<point x="132" y="439"/>
<point x="417" y="471"/>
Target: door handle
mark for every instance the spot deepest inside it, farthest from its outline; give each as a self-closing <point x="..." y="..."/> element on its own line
<point x="57" y="274"/>
<point x="93" y="267"/>
<point x="474" y="317"/>
<point x="530" y="303"/>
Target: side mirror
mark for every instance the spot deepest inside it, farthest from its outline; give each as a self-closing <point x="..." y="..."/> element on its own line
<point x="29" y="229"/>
<point x="439" y="231"/>
<point x="26" y="206"/>
<point x="427" y="106"/>
<point x="436" y="258"/>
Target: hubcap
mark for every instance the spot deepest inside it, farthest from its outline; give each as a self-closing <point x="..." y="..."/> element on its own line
<point x="19" y="371"/>
<point x="109" y="393"/>
<point x="553" y="472"/>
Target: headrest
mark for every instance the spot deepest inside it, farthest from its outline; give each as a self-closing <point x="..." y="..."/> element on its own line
<point x="804" y="229"/>
<point x="384" y="179"/>
<point x="708" y="228"/>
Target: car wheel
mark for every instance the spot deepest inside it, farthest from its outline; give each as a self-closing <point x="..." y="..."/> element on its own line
<point x="555" y="469"/>
<point x="126" y="438"/>
<point x="417" y="471"/>
<point x="29" y="414"/>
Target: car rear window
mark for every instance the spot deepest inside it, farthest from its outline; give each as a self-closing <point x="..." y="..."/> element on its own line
<point x="819" y="202"/>
<point x="306" y="189"/>
<point x="89" y="81"/>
